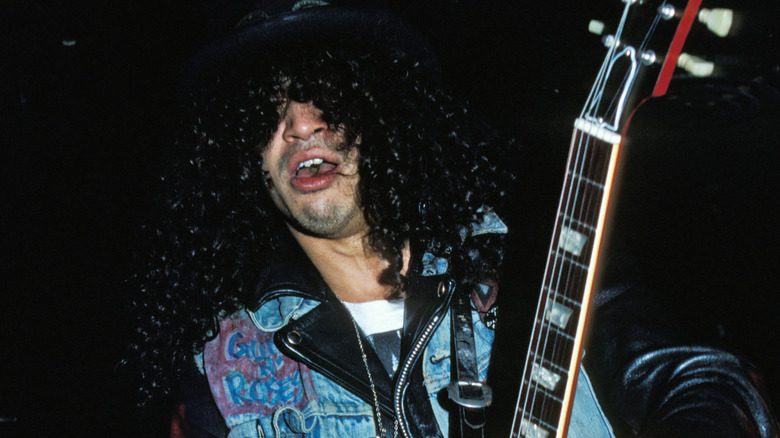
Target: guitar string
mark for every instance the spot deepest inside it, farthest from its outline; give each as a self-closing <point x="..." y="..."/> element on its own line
<point x="585" y="150"/>
<point x="580" y="158"/>
<point x="575" y="164"/>
<point x="589" y="212"/>
<point x="569" y="215"/>
<point x="552" y="291"/>
<point x="531" y="385"/>
<point x="642" y="47"/>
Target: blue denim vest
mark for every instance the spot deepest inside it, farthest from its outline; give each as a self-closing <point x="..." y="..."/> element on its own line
<point x="262" y="393"/>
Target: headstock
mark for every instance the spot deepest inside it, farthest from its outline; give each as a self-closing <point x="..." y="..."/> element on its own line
<point x="649" y="38"/>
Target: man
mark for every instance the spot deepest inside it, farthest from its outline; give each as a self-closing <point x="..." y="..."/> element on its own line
<point x="330" y="225"/>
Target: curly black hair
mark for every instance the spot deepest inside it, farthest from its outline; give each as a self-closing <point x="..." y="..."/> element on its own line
<point x="427" y="171"/>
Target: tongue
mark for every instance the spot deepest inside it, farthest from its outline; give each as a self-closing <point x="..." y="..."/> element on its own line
<point x="312" y="171"/>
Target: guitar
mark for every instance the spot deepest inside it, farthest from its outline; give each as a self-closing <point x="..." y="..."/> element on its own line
<point x="550" y="373"/>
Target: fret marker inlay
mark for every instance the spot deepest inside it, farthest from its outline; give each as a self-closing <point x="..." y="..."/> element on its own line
<point x="572" y="241"/>
<point x="558" y="314"/>
<point x="545" y="377"/>
<point x="531" y="430"/>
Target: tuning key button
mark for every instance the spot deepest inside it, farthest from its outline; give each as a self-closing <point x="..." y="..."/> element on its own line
<point x="596" y="27"/>
<point x="695" y="65"/>
<point x="718" y="20"/>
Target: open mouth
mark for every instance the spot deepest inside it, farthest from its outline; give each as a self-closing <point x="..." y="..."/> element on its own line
<point x="314" y="170"/>
<point x="314" y="167"/>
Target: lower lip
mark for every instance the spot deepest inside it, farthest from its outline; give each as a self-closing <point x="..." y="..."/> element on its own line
<point x="313" y="183"/>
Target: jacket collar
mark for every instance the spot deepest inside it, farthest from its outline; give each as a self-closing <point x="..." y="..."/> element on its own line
<point x="289" y="272"/>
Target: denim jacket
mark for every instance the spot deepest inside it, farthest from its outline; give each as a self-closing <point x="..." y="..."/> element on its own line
<point x="292" y="366"/>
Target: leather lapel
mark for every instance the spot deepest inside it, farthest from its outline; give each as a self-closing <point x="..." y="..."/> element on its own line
<point x="423" y="303"/>
<point x="324" y="339"/>
<point x="288" y="272"/>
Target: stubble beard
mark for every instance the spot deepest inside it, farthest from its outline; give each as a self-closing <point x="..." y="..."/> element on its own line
<point x="332" y="220"/>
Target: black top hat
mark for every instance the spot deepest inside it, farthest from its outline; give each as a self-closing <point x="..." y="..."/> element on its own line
<point x="275" y="23"/>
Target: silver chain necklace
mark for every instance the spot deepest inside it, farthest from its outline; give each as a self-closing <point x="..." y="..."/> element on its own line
<point x="381" y="431"/>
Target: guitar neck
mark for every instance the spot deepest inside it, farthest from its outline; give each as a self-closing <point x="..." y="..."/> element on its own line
<point x="551" y="367"/>
<point x="546" y="393"/>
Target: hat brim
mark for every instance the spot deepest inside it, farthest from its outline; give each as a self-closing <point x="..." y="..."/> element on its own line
<point x="249" y="44"/>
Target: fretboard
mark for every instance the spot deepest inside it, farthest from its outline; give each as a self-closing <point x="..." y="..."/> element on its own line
<point x="551" y="368"/>
<point x="556" y="338"/>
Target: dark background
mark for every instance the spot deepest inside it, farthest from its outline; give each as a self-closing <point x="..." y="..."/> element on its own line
<point x="87" y="104"/>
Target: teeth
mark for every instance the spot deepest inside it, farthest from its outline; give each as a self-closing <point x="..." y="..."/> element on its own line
<point x="310" y="163"/>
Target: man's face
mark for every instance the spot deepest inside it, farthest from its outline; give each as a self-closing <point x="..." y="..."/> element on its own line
<point x="311" y="176"/>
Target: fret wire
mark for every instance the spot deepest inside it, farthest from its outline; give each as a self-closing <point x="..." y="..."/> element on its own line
<point x="539" y="421"/>
<point x="591" y="198"/>
<point x="546" y="411"/>
<point x="555" y="295"/>
<point x="545" y="392"/>
<point x="566" y="298"/>
<point x="586" y="179"/>
<point x="543" y="326"/>
<point x="552" y="364"/>
<point x="562" y="340"/>
<point x="598" y="163"/>
<point x="591" y="202"/>
<point x="564" y="217"/>
<point x="572" y="230"/>
<point x="562" y="255"/>
<point x="579" y="156"/>
<point x="555" y="354"/>
<point x="559" y="351"/>
<point x="564" y="290"/>
<point x="558" y="332"/>
<point x="579" y="274"/>
<point x="598" y="168"/>
<point x="583" y="212"/>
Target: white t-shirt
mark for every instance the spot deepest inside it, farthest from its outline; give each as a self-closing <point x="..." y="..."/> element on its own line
<point x="381" y="321"/>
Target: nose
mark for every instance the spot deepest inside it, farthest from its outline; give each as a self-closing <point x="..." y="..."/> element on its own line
<point x="301" y="121"/>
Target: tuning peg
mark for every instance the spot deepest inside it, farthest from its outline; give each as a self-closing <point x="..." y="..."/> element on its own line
<point x="695" y="65"/>
<point x="717" y="20"/>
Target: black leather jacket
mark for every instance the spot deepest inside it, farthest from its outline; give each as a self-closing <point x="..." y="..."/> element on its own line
<point x="650" y="379"/>
<point x="322" y="338"/>
<point x="657" y="380"/>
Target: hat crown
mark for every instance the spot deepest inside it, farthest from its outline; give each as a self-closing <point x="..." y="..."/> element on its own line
<point x="274" y="26"/>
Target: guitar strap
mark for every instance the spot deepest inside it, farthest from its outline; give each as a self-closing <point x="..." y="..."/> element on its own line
<point x="469" y="394"/>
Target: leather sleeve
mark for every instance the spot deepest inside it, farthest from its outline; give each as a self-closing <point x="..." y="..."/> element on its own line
<point x="656" y="380"/>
